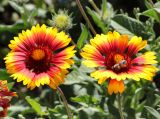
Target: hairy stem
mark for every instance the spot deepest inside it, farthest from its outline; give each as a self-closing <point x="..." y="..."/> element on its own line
<point x="65" y="103"/>
<point x="119" y="98"/>
<point x="85" y="17"/>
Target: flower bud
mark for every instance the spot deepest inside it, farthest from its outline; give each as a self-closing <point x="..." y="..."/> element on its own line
<point x="62" y="20"/>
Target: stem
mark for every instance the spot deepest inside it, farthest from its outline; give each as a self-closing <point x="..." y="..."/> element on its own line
<point x="65" y="103"/>
<point x="94" y="6"/>
<point x="85" y="17"/>
<point x="119" y="98"/>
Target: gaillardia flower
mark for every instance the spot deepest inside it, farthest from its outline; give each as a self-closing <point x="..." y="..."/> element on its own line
<point x="5" y="97"/>
<point x="114" y="55"/>
<point x="40" y="56"/>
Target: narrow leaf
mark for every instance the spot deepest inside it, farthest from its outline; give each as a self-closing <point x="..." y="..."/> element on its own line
<point x="148" y="4"/>
<point x="12" y="28"/>
<point x="97" y="19"/>
<point x="154" y="112"/>
<point x="35" y="105"/>
<point x="104" y="8"/>
<point x="16" y="7"/>
<point x="83" y="37"/>
<point x="152" y="13"/>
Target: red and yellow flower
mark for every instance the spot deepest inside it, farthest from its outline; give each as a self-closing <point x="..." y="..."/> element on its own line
<point x="114" y="55"/>
<point x="40" y="56"/>
<point x="5" y="97"/>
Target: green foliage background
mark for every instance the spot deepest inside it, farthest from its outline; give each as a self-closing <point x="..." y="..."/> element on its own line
<point x="87" y="99"/>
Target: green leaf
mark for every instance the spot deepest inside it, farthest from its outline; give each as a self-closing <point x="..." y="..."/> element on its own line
<point x="154" y="112"/>
<point x="10" y="85"/>
<point x="4" y="75"/>
<point x="148" y="4"/>
<point x="96" y="19"/>
<point x="130" y="26"/>
<point x="78" y="73"/>
<point x="33" y="14"/>
<point x="16" y="7"/>
<point x="12" y="28"/>
<point x="104" y="8"/>
<point x="83" y="37"/>
<point x="35" y="105"/>
<point x="85" y="100"/>
<point x="157" y="6"/>
<point x="152" y="13"/>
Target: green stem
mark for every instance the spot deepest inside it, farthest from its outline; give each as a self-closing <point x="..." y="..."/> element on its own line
<point x="85" y="17"/>
<point x="65" y="103"/>
<point x="119" y="98"/>
<point x="94" y="6"/>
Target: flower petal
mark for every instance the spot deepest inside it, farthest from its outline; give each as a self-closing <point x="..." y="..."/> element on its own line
<point x="115" y="86"/>
<point x="135" y="44"/>
<point x="62" y="59"/>
<point x="144" y="71"/>
<point x="147" y="58"/>
<point x="93" y="56"/>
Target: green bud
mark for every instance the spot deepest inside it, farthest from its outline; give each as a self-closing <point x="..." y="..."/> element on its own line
<point x="62" y="20"/>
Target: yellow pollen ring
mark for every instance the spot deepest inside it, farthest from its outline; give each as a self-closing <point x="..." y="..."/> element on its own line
<point x="118" y="58"/>
<point x="38" y="54"/>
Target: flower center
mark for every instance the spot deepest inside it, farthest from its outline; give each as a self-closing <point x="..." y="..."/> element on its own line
<point x="119" y="63"/>
<point x="118" y="58"/>
<point x="38" y="54"/>
<point x="39" y="59"/>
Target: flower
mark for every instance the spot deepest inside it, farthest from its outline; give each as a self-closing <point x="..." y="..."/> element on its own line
<point x="114" y="55"/>
<point x="5" y="97"/>
<point x="40" y="56"/>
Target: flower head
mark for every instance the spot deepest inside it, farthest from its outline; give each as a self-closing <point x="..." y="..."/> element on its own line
<point x="5" y="97"/>
<point x="116" y="58"/>
<point x="62" y="20"/>
<point x="40" y="56"/>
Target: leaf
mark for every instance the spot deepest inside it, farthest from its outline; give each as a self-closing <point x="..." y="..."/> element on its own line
<point x="4" y="75"/>
<point x="104" y="9"/>
<point x="85" y="100"/>
<point x="157" y="6"/>
<point x="97" y="19"/>
<point x="91" y="113"/>
<point x="35" y="105"/>
<point x="18" y="108"/>
<point x="10" y="85"/>
<point x="154" y="112"/>
<point x="107" y="12"/>
<point x="78" y="75"/>
<point x="130" y="26"/>
<point x="16" y="7"/>
<point x="12" y="28"/>
<point x="152" y="13"/>
<point x="83" y="37"/>
<point x="33" y="14"/>
<point x="148" y="4"/>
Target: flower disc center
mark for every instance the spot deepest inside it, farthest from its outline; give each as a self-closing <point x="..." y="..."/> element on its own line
<point x="120" y="63"/>
<point x="38" y="54"/>
<point x="118" y="58"/>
